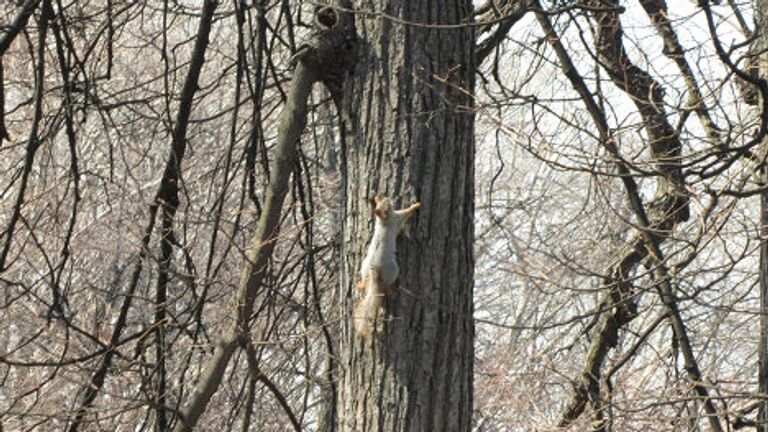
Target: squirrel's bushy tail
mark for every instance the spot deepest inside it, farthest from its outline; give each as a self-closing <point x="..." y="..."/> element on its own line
<point x="367" y="308"/>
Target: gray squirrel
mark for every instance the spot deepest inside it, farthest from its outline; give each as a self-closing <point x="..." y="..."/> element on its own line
<point x="379" y="269"/>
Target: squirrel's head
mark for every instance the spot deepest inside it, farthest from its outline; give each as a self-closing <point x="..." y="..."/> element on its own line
<point x="381" y="207"/>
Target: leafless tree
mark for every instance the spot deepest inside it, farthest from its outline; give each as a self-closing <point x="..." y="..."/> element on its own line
<point x="184" y="205"/>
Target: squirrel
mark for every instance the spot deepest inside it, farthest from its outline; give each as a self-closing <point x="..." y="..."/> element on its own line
<point x="379" y="269"/>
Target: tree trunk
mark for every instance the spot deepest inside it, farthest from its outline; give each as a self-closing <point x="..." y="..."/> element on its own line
<point x="762" y="417"/>
<point x="410" y="109"/>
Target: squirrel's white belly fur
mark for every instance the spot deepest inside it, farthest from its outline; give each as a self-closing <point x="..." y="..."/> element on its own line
<point x="379" y="269"/>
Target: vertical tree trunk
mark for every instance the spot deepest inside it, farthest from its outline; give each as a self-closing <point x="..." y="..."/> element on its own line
<point x="762" y="416"/>
<point x="411" y="112"/>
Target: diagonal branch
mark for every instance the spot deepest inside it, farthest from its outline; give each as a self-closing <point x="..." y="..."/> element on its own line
<point x="659" y="15"/>
<point x="13" y="30"/>
<point x="167" y="198"/>
<point x="648" y="96"/>
<point x="18" y="24"/>
<point x="327" y="58"/>
<point x="671" y="204"/>
<point x="670" y="208"/>
<point x="292" y="122"/>
<point x="620" y="302"/>
<point x="257" y="375"/>
<point x="33" y="141"/>
<point x="512" y="13"/>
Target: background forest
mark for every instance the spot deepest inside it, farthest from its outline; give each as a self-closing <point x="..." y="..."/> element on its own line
<point x="610" y="153"/>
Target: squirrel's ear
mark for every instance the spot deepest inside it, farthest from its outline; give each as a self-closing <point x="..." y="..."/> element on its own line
<point x="377" y="199"/>
<point x="381" y="213"/>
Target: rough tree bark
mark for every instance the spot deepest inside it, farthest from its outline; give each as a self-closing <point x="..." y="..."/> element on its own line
<point x="413" y="140"/>
<point x="759" y="46"/>
<point x="762" y="414"/>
